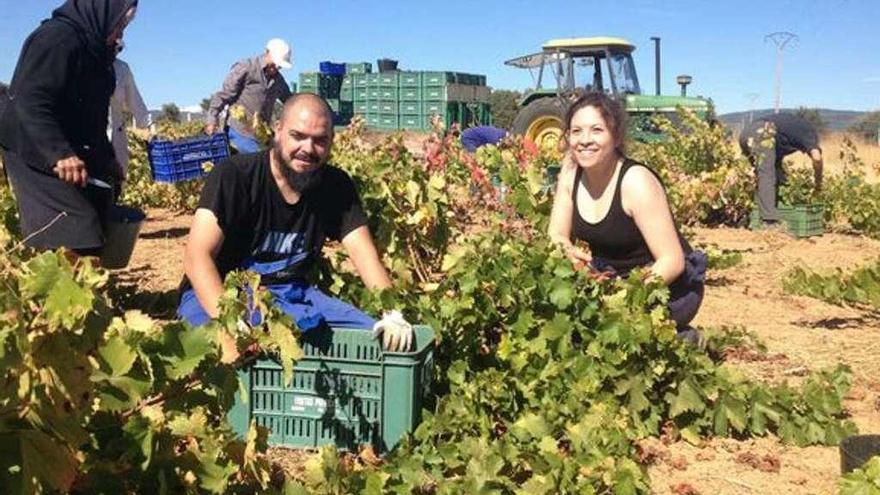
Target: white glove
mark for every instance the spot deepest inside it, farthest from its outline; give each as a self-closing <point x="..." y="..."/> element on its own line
<point x="397" y="333"/>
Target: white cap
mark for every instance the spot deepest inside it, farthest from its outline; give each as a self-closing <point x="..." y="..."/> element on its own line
<point x="279" y="52"/>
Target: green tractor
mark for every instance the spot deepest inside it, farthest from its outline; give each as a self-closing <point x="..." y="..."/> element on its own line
<point x="579" y="65"/>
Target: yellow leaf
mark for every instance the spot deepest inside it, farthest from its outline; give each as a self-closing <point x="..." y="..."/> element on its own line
<point x="228" y="347"/>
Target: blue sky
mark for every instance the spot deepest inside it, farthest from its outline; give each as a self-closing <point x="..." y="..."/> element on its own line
<point x="180" y="50"/>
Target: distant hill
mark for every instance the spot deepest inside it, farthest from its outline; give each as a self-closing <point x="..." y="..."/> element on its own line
<point x="835" y="120"/>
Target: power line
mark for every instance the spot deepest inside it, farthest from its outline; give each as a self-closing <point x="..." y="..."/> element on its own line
<point x="780" y="39"/>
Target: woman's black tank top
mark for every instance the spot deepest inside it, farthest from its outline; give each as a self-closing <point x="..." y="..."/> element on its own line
<point x="616" y="238"/>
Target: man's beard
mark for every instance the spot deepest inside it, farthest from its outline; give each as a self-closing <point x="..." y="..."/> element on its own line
<point x="298" y="181"/>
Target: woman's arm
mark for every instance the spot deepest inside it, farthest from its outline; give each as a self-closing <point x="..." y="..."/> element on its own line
<point x="643" y="198"/>
<point x="559" y="229"/>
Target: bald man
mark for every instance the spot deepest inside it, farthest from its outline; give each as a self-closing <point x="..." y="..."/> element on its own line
<point x="271" y="212"/>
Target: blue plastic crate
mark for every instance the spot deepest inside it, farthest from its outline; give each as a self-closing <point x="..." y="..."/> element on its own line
<point x="331" y="68"/>
<point x="175" y="161"/>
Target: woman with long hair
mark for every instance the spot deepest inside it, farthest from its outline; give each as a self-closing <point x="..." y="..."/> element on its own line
<point x="619" y="208"/>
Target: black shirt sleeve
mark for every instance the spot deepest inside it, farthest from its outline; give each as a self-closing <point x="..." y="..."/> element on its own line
<point x="344" y="212"/>
<point x="224" y="195"/>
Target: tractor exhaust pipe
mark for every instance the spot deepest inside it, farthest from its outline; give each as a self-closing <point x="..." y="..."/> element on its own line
<point x="683" y="81"/>
<point x="656" y="40"/>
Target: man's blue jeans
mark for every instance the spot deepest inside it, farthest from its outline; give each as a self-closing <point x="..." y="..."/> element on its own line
<point x="242" y="142"/>
<point x="309" y="307"/>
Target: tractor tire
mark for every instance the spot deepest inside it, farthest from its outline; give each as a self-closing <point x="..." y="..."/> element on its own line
<point x="541" y="121"/>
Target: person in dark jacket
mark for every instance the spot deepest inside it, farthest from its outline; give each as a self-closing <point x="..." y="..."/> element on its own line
<point x="53" y="125"/>
<point x="768" y="140"/>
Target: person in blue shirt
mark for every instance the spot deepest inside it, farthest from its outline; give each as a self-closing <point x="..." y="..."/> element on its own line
<point x="474" y="137"/>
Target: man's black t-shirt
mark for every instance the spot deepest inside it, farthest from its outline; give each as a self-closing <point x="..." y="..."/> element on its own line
<point x="793" y="133"/>
<point x="264" y="233"/>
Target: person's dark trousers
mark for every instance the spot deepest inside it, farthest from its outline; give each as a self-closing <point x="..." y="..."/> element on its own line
<point x="761" y="151"/>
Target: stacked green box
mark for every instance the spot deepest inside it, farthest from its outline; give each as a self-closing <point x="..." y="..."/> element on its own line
<point x="324" y="85"/>
<point x="413" y="122"/>
<point x="430" y="78"/>
<point x="410" y="93"/>
<point x="389" y="121"/>
<point x="411" y="79"/>
<point x="347" y="91"/>
<point x="409" y="99"/>
<point x="410" y="107"/>
<point x="358" y="68"/>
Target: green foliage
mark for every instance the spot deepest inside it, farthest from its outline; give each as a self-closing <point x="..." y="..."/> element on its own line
<point x="851" y="202"/>
<point x="859" y="286"/>
<point x="140" y="189"/>
<point x="721" y="259"/>
<point x="707" y="181"/>
<point x="97" y="402"/>
<point x="799" y="188"/>
<point x="862" y="481"/>
<point x="170" y="113"/>
<point x="547" y="377"/>
<point x="504" y="105"/>
<point x="868" y="126"/>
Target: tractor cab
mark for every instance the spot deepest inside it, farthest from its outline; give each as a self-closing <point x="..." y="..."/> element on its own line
<point x="571" y="66"/>
<point x="566" y="68"/>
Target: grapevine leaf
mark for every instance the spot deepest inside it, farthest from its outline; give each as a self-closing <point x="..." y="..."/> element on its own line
<point x="118" y="355"/>
<point x="184" y="349"/>
<point x="688" y="399"/>
<point x="32" y="459"/>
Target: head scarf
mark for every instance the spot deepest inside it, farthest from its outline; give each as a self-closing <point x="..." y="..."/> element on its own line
<point x="96" y="19"/>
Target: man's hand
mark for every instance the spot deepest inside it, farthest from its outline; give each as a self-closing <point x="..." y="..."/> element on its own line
<point x="72" y="170"/>
<point x="210" y="129"/>
<point x="397" y="333"/>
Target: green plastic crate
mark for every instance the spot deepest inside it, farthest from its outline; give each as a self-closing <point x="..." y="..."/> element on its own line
<point x="389" y="121"/>
<point x="410" y="108"/>
<point x="373" y="106"/>
<point x="345" y="392"/>
<point x="309" y="78"/>
<point x="410" y="80"/>
<point x="389" y="94"/>
<point x="361" y="107"/>
<point x="372" y="79"/>
<point x="372" y="119"/>
<point x="410" y="94"/>
<point x="361" y="94"/>
<point x="434" y="93"/>
<point x="373" y="93"/>
<point x="360" y="81"/>
<point x="442" y="108"/>
<point x="346" y="93"/>
<point x="804" y="220"/>
<point x="388" y="107"/>
<point x="437" y="78"/>
<point x="389" y="79"/>
<point x="800" y="220"/>
<point x="358" y="68"/>
<point x="412" y="122"/>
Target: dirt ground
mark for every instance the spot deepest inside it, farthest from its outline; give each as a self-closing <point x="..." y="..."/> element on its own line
<point x="803" y="334"/>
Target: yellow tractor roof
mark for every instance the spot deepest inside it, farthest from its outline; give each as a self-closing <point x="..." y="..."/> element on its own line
<point x="587" y="43"/>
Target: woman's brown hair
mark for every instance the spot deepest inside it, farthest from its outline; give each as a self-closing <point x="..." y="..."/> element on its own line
<point x="612" y="111"/>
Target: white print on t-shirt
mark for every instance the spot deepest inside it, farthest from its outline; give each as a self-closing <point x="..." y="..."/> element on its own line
<point x="291" y="244"/>
<point x="282" y="243"/>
